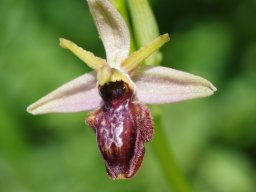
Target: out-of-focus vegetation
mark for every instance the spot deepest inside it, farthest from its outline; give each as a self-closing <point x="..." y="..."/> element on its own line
<point x="213" y="139"/>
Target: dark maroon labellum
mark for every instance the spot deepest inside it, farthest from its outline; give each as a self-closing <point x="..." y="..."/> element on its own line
<point x="122" y="125"/>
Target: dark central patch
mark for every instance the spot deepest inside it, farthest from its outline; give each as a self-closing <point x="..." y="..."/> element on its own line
<point x="115" y="91"/>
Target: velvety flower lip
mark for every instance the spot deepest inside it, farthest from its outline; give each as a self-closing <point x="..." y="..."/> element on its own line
<point x="117" y="89"/>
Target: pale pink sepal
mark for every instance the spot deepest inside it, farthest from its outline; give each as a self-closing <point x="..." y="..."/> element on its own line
<point x="80" y="94"/>
<point x="165" y="85"/>
<point x="112" y="29"/>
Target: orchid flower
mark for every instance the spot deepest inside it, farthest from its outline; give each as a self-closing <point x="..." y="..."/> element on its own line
<point x="117" y="89"/>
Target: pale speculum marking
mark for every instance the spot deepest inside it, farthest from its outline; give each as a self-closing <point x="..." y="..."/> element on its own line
<point x="112" y="125"/>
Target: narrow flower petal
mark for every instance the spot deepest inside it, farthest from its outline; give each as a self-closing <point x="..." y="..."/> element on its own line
<point x="139" y="56"/>
<point x="112" y="29"/>
<point x="80" y="94"/>
<point x="91" y="60"/>
<point x="165" y="85"/>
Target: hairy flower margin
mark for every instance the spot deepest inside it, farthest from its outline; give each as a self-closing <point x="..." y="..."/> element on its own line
<point x="117" y="90"/>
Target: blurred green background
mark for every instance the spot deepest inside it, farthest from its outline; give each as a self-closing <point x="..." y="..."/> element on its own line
<point x="213" y="139"/>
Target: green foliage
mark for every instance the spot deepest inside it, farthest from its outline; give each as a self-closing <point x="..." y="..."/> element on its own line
<point x="213" y="139"/>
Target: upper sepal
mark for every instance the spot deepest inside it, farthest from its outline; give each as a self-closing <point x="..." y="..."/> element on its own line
<point x="157" y="85"/>
<point x="112" y="29"/>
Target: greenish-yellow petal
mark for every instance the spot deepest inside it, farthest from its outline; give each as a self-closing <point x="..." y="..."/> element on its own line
<point x="89" y="58"/>
<point x="135" y="59"/>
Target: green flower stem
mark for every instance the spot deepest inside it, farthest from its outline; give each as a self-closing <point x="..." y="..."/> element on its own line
<point x="140" y="11"/>
<point x="163" y="153"/>
<point x="145" y="28"/>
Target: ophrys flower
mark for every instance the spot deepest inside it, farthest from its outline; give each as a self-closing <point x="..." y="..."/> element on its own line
<point x="117" y="90"/>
